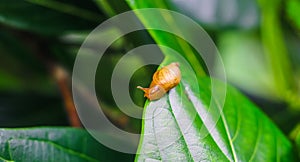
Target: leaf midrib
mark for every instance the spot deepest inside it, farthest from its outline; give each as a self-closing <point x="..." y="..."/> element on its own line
<point x="226" y="130"/>
<point x="224" y="123"/>
<point x="176" y="121"/>
<point x="182" y="133"/>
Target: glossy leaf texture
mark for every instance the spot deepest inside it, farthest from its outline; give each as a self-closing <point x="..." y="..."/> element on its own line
<point x="50" y="17"/>
<point x="54" y="144"/>
<point x="173" y="126"/>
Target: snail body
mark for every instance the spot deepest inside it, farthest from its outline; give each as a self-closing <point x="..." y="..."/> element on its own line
<point x="162" y="81"/>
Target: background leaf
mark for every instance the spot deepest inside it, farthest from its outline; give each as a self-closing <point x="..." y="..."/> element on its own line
<point x="292" y="11"/>
<point x="220" y="14"/>
<point x="295" y="136"/>
<point x="50" y="17"/>
<point x="54" y="144"/>
<point x="298" y="146"/>
<point x="243" y="49"/>
<point x="213" y="15"/>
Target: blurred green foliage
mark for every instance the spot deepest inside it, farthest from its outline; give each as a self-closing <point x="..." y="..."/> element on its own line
<point x="258" y="41"/>
<point x="292" y="10"/>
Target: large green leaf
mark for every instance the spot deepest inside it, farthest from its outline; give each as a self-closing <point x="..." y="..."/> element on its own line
<point x="190" y="123"/>
<point x="54" y="144"/>
<point x="48" y="17"/>
<point x="173" y="126"/>
<point x="168" y="39"/>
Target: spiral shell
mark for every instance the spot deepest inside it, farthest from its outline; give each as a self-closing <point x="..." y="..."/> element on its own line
<point x="162" y="81"/>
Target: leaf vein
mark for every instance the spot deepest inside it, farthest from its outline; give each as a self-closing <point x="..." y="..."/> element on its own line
<point x="256" y="142"/>
<point x="227" y="131"/>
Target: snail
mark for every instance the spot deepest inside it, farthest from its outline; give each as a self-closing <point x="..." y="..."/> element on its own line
<point x="162" y="81"/>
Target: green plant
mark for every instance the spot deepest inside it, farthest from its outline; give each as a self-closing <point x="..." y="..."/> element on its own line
<point x="39" y="43"/>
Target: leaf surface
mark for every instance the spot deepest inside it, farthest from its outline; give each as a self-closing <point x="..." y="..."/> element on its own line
<point x="185" y="125"/>
<point x="54" y="144"/>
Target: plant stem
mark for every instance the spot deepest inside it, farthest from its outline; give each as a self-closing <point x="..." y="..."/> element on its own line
<point x="62" y="80"/>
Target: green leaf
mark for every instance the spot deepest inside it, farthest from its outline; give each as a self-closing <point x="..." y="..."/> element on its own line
<point x="295" y="135"/>
<point x="244" y="49"/>
<point x="292" y="11"/>
<point x="54" y="144"/>
<point x="174" y="126"/>
<point x="48" y="17"/>
<point x="112" y="7"/>
<point x="191" y="124"/>
<point x="168" y="39"/>
<point x="276" y="53"/>
<point x="298" y="145"/>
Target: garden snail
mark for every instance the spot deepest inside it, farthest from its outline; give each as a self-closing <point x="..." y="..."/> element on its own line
<point x="162" y="81"/>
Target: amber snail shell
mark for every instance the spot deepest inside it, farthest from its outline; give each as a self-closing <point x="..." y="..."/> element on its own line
<point x="162" y="81"/>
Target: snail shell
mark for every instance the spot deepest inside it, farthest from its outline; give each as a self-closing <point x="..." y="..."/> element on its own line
<point x="163" y="80"/>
